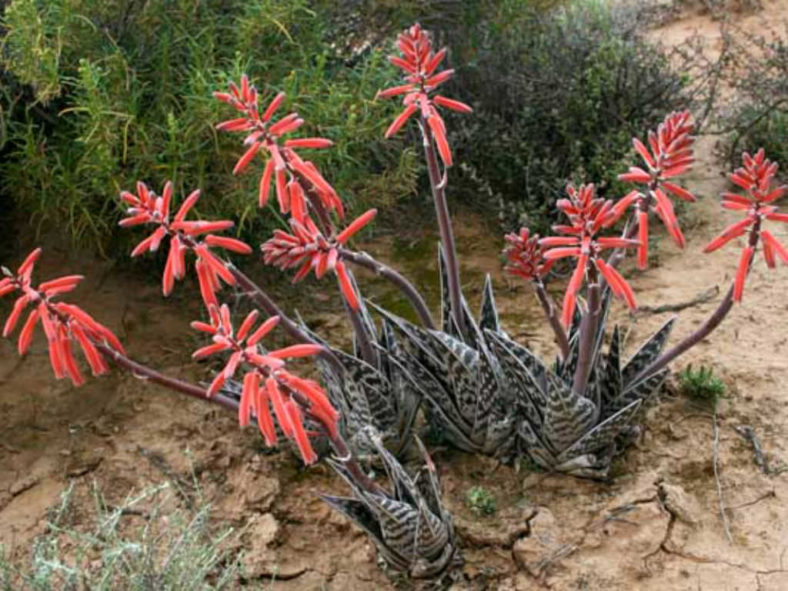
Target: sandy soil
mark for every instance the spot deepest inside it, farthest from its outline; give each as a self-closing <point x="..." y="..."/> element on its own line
<point x="657" y="526"/>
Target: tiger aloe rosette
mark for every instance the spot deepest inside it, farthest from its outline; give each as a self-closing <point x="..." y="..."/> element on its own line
<point x="408" y="523"/>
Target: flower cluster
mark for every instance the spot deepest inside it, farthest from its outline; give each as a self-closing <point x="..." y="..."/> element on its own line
<point x="267" y="383"/>
<point x="63" y="324"/>
<point x="669" y="156"/>
<point x="419" y="63"/>
<point x="524" y="256"/>
<point x="587" y="215"/>
<point x="756" y="177"/>
<point x="307" y="249"/>
<point x="295" y="179"/>
<point x="148" y="208"/>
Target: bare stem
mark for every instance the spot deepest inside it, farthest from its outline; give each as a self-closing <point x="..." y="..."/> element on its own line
<point x="362" y="337"/>
<point x="588" y="333"/>
<point x="328" y="229"/>
<point x="444" y="226"/>
<point x="550" y="311"/>
<point x="262" y="299"/>
<point x="363" y="259"/>
<point x="707" y="327"/>
<point x="144" y="372"/>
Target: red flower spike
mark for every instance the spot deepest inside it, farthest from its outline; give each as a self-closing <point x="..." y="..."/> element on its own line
<point x="587" y="215"/>
<point x="524" y="256"/>
<point x="62" y="323"/>
<point x="282" y="388"/>
<point x="307" y="249"/>
<point x="419" y="62"/>
<point x="283" y="165"/>
<point x="670" y="155"/>
<point x="756" y="177"/>
<point x="147" y="207"/>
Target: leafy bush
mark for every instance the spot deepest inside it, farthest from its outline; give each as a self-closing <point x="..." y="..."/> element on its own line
<point x="163" y="549"/>
<point x="759" y="119"/>
<point x="557" y="95"/>
<point x="103" y="93"/>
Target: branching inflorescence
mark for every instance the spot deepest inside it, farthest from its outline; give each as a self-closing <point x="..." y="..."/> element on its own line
<point x="480" y="389"/>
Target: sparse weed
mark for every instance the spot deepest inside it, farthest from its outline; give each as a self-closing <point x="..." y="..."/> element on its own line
<point x="481" y="501"/>
<point x="701" y="384"/>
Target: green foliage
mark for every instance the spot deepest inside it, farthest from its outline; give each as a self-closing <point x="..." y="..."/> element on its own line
<point x="481" y="501"/>
<point x="100" y="94"/>
<point x="701" y="384"/>
<point x="142" y="544"/>
<point x="557" y="95"/>
<point x="759" y="118"/>
<point x="96" y="95"/>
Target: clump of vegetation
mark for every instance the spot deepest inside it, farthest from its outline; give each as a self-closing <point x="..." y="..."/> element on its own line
<point x="481" y="501"/>
<point x="143" y="543"/>
<point x="701" y="384"/>
<point x="98" y="94"/>
<point x="558" y="96"/>
<point x="759" y="116"/>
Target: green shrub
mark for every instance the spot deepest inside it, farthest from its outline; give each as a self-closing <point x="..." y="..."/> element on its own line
<point x="701" y="384"/>
<point x="759" y="117"/>
<point x="99" y="94"/>
<point x="141" y="544"/>
<point x="558" y="95"/>
<point x="103" y="93"/>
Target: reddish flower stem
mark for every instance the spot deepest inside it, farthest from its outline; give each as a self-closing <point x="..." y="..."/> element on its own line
<point x="146" y="373"/>
<point x="262" y="299"/>
<point x="328" y="229"/>
<point x="708" y="326"/>
<point x="444" y="226"/>
<point x="550" y="311"/>
<point x="141" y="371"/>
<point x="363" y="259"/>
<point x="588" y="328"/>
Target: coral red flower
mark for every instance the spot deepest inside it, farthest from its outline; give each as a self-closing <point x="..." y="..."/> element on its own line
<point x="307" y="249"/>
<point x="668" y="155"/>
<point x="524" y="256"/>
<point x="419" y="63"/>
<point x="148" y="208"/>
<point x="63" y="324"/>
<point x="296" y="180"/>
<point x="587" y="216"/>
<point x="756" y="177"/>
<point x="267" y="384"/>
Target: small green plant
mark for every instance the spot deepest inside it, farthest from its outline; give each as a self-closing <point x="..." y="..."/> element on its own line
<point x="701" y="384"/>
<point x="143" y="543"/>
<point x="481" y="501"/>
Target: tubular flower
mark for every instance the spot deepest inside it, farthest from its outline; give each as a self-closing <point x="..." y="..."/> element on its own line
<point x="296" y="180"/>
<point x="587" y="216"/>
<point x="668" y="155"/>
<point x="148" y="208"/>
<point x="419" y="63"/>
<point x="524" y="256"/>
<point x="63" y="324"/>
<point x="756" y="177"/>
<point x="266" y="383"/>
<point x="307" y="249"/>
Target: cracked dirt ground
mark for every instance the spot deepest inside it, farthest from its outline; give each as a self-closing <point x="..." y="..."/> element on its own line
<point x="657" y="526"/>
